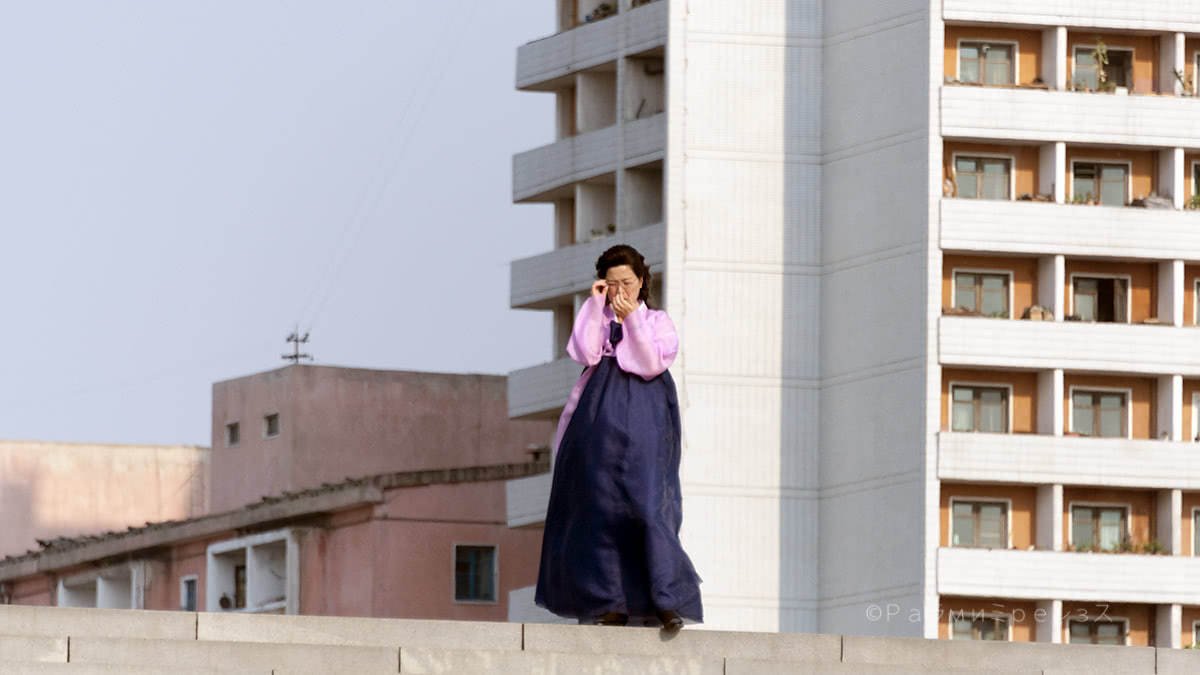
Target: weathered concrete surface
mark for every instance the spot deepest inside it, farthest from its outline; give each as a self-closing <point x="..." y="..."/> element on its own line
<point x="32" y="649"/>
<point x="480" y="662"/>
<point x="751" y="667"/>
<point x="323" y="630"/>
<point x="243" y="655"/>
<point x="117" y="623"/>
<point x="791" y="647"/>
<point x="939" y="654"/>
<point x="15" y="668"/>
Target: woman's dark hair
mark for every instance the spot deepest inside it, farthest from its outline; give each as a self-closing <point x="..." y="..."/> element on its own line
<point x="622" y="254"/>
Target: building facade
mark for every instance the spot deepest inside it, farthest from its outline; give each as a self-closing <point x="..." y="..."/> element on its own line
<point x="50" y="490"/>
<point x="935" y="271"/>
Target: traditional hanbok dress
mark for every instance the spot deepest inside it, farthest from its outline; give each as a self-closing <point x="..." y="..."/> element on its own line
<point x="611" y="541"/>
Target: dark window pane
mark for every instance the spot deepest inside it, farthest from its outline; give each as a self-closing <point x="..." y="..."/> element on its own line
<point x="475" y="573"/>
<point x="993" y="411"/>
<point x="1082" y="531"/>
<point x="993" y="526"/>
<point x="963" y="528"/>
<point x="964" y="291"/>
<point x="1086" y="73"/>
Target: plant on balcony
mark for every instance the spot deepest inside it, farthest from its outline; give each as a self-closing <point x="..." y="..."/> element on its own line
<point x="1037" y="313"/>
<point x="1193" y="204"/>
<point x="1100" y="56"/>
<point x="602" y="11"/>
<point x="1186" y="83"/>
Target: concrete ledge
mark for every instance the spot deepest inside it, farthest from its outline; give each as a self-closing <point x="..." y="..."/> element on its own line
<point x="939" y="654"/>
<point x="1178" y="661"/>
<point x="243" y="655"/>
<point x="752" y="667"/>
<point x="32" y="649"/>
<point x="9" y="668"/>
<point x="478" y="662"/>
<point x="330" y="630"/>
<point x="789" y="647"/>
<point x="77" y="622"/>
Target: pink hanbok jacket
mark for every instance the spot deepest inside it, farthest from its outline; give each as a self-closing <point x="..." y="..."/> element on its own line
<point x="647" y="348"/>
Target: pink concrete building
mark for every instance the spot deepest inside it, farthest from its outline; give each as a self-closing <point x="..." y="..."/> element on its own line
<point x="301" y="426"/>
<point x="50" y="490"/>
<point x="421" y="544"/>
<point x="333" y="491"/>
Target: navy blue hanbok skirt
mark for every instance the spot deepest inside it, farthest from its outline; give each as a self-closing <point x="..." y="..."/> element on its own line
<point x="611" y="541"/>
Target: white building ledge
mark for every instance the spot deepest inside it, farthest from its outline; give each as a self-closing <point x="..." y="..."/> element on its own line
<point x="526" y="499"/>
<point x="1155" y="15"/>
<point x="542" y="390"/>
<point x="1068" y="460"/>
<point x="1039" y="228"/>
<point x="1070" y="345"/>
<point x="1053" y="575"/>
<point x="539" y="280"/>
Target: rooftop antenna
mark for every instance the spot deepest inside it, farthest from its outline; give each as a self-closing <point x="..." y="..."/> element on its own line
<point x="296" y="340"/>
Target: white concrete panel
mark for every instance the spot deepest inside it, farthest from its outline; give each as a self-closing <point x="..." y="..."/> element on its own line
<point x="750" y="437"/>
<point x="1074" y="117"/>
<point x="871" y="427"/>
<point x="1071" y="345"/>
<point x="871" y="538"/>
<point x="526" y="499"/>
<point x="749" y="324"/>
<point x="869" y="16"/>
<point x="1158" y="15"/>
<point x="1038" y="228"/>
<point x="1068" y="460"/>
<point x="759" y="100"/>
<point x="542" y="389"/>
<point x="1037" y="575"/>
<point x="764" y="18"/>
<point x="881" y="613"/>
<point x="754" y="213"/>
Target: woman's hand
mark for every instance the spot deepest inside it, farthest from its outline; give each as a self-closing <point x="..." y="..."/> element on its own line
<point x="599" y="290"/>
<point x="622" y="306"/>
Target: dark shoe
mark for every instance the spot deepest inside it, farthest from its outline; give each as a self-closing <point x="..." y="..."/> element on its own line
<point x="613" y="619"/>
<point x="671" y="620"/>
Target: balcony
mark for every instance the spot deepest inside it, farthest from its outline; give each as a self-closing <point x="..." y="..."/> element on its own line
<point x="1155" y="15"/>
<point x="526" y="499"/>
<point x="542" y="64"/>
<point x="537" y="281"/>
<point x="1070" y="345"/>
<point x="541" y="391"/>
<point x="1096" y="577"/>
<point x="1073" y="117"/>
<point x="1040" y="228"/>
<point x="1069" y="460"/>
<point x="542" y="174"/>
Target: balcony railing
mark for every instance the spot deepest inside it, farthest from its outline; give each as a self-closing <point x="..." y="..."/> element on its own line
<point x="1154" y="15"/>
<point x="543" y="63"/>
<point x="1068" y="460"/>
<point x="1070" y="345"/>
<point x="539" y="173"/>
<point x="1097" y="577"/>
<point x="1039" y="228"/>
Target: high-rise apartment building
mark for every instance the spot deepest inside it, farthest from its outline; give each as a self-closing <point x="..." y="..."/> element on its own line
<point x="935" y="267"/>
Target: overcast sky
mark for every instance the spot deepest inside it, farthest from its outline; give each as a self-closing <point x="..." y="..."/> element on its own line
<point x="182" y="181"/>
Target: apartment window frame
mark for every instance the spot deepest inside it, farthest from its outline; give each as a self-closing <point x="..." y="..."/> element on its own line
<point x="1195" y="175"/>
<point x="954" y="272"/>
<point x="1112" y="619"/>
<point x="1007" y="616"/>
<point x="1195" y="632"/>
<point x="1102" y="275"/>
<point x="183" y="582"/>
<point x="1192" y="521"/>
<point x="1014" y="63"/>
<point x="1089" y="48"/>
<point x="233" y="433"/>
<point x="1012" y="172"/>
<point x="267" y="424"/>
<point x="1127" y="535"/>
<point x="454" y="572"/>
<point x="1127" y="163"/>
<point x="981" y="500"/>
<point x="1128" y="391"/>
<point x="255" y="553"/>
<point x="1008" y="412"/>
<point x="1195" y="411"/>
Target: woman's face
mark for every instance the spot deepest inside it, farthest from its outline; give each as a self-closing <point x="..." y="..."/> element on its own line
<point x="622" y="280"/>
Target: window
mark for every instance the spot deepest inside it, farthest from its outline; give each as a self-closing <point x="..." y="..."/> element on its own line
<point x="1099" y="413"/>
<point x="1118" y="72"/>
<point x="1107" y="184"/>
<point x="1196" y="532"/>
<point x="983" y="177"/>
<point x="983" y="293"/>
<point x="1097" y="632"/>
<point x="985" y="63"/>
<point x="271" y="425"/>
<point x="187" y="594"/>
<point x="1101" y="299"/>
<point x="1098" y="528"/>
<point x="979" y="524"/>
<point x="982" y="409"/>
<point x="979" y="628"/>
<point x="239" y="587"/>
<point x="475" y="573"/>
<point x="233" y="434"/>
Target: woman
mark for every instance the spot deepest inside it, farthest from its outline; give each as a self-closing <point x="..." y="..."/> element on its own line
<point x="611" y="551"/>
